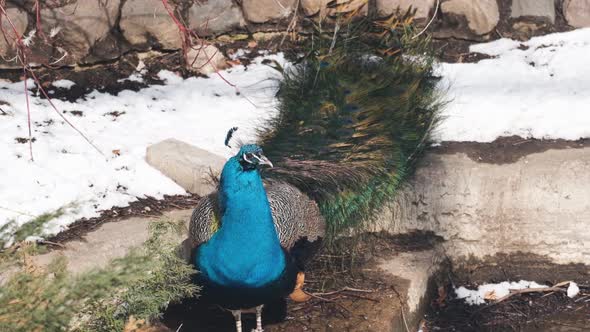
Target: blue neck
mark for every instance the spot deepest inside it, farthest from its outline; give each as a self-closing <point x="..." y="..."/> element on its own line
<point x="245" y="251"/>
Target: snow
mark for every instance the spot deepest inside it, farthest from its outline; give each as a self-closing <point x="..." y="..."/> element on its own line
<point x="135" y="77"/>
<point x="505" y="95"/>
<point x="64" y="84"/>
<point x="573" y="290"/>
<point x="539" y="88"/>
<point x="68" y="173"/>
<point x="493" y="291"/>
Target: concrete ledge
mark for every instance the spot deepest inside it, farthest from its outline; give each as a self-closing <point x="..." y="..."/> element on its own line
<point x="110" y="241"/>
<point x="415" y="275"/>
<point x="539" y="204"/>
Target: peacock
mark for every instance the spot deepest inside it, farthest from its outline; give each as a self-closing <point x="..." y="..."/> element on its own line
<point x="355" y="113"/>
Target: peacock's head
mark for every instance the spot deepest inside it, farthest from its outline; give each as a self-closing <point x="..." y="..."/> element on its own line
<point x="251" y="157"/>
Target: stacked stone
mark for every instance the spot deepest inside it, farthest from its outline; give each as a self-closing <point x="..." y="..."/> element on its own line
<point x="97" y="30"/>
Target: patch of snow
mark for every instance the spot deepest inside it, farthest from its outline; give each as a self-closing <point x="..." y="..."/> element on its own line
<point x="135" y="77"/>
<point x="239" y="53"/>
<point x="63" y="84"/>
<point x="539" y="88"/>
<point x="170" y="77"/>
<point x="492" y="291"/>
<point x="573" y="290"/>
<point x="33" y="239"/>
<point x="68" y="172"/>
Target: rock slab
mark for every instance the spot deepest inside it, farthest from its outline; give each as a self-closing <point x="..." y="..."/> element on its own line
<point x="536" y="8"/>
<point x="577" y="13"/>
<point x="482" y="15"/>
<point x="312" y="7"/>
<point x="206" y="59"/>
<point x="146" y="23"/>
<point x="262" y="11"/>
<point x="388" y="7"/>
<point x="20" y="21"/>
<point x="215" y="17"/>
<point x="188" y="166"/>
<point x="82" y="24"/>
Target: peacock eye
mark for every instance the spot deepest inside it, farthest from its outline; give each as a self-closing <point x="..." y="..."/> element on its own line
<point x="248" y="157"/>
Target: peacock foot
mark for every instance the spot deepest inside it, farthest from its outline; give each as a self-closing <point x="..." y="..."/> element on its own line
<point x="299" y="295"/>
<point x="258" y="319"/>
<point x="238" y="317"/>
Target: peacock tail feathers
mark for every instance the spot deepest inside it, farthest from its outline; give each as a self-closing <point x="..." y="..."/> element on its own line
<point x="355" y="112"/>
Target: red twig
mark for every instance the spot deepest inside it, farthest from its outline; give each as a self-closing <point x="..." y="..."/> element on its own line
<point x="18" y="37"/>
<point x="60" y="114"/>
<point x="187" y="37"/>
<point x="28" y="114"/>
<point x="38" y="17"/>
<point x="184" y="33"/>
<point x="22" y="56"/>
<point x="20" y="48"/>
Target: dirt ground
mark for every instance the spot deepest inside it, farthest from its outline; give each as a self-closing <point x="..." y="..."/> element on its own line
<point x="538" y="311"/>
<point x="376" y="305"/>
<point x="342" y="311"/>
<point x="553" y="311"/>
<point x="506" y="150"/>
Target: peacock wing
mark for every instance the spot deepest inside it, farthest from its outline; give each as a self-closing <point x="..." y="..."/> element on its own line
<point x="297" y="219"/>
<point x="295" y="216"/>
<point x="205" y="220"/>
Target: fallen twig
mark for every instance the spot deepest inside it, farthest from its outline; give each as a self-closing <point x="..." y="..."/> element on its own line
<point x="346" y="289"/>
<point x="555" y="288"/>
<point x="319" y="297"/>
<point x="51" y="243"/>
<point x="399" y="297"/>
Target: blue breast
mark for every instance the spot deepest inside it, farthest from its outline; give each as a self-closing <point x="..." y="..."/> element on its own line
<point x="245" y="251"/>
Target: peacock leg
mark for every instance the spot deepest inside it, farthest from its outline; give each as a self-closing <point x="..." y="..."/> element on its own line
<point x="238" y="317"/>
<point x="259" y="319"/>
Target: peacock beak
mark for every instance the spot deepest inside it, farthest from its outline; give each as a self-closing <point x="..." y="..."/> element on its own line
<point x="262" y="160"/>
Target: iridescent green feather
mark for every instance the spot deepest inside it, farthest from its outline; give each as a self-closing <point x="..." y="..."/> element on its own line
<point x="355" y="114"/>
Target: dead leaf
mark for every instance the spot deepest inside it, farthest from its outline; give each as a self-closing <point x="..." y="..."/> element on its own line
<point x="235" y="62"/>
<point x="491" y="295"/>
<point x="140" y="325"/>
<point x="442" y="296"/>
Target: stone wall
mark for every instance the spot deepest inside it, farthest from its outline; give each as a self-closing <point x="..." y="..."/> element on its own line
<point x="92" y="31"/>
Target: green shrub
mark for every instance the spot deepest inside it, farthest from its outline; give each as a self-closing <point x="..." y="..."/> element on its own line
<point x="10" y="232"/>
<point x="141" y="284"/>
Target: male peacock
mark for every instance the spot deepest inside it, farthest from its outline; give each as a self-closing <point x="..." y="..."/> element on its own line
<point x="245" y="258"/>
<point x="355" y="112"/>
